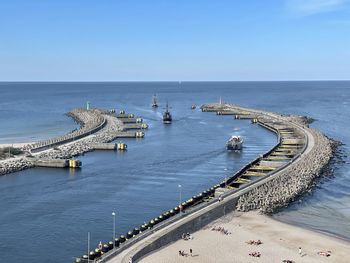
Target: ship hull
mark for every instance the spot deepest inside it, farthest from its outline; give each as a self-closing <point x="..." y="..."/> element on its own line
<point x="234" y="147"/>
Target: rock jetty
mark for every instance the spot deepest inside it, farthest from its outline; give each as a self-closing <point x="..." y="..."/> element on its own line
<point x="293" y="181"/>
<point x="269" y="182"/>
<point x="96" y="126"/>
<point x="298" y="176"/>
<point x="90" y="122"/>
<point x="14" y="165"/>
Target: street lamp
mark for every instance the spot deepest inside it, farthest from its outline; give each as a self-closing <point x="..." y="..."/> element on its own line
<point x="180" y="190"/>
<point x="88" y="253"/>
<point x="113" y="214"/>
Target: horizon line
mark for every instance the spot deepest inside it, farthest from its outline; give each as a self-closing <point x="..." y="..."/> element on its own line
<point x="169" y="81"/>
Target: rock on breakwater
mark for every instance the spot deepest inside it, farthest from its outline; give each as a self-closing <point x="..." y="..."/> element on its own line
<point x="107" y="134"/>
<point x="298" y="176"/>
<point x="14" y="165"/>
<point x="97" y="126"/>
<point x="291" y="182"/>
<point x="286" y="171"/>
<point x="90" y="121"/>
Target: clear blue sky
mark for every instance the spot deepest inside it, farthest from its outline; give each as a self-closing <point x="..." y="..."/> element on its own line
<point x="87" y="40"/>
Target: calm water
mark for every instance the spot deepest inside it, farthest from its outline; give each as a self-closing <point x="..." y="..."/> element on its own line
<point x="46" y="213"/>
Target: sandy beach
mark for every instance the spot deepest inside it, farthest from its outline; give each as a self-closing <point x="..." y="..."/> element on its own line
<point x="280" y="242"/>
<point x="15" y="145"/>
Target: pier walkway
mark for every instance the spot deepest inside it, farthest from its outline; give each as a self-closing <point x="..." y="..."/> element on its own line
<point x="97" y="127"/>
<point x="268" y="182"/>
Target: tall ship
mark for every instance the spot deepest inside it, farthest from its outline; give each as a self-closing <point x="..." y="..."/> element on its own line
<point x="154" y="101"/>
<point x="167" y="116"/>
<point x="235" y="143"/>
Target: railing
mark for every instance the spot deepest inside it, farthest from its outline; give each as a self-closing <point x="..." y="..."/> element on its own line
<point x="242" y="190"/>
<point x="75" y="135"/>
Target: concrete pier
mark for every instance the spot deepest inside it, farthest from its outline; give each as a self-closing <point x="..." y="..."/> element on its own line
<point x="130" y="134"/>
<point x="97" y="126"/>
<point x="55" y="163"/>
<point x="91" y="121"/>
<point x="268" y="182"/>
<point x="130" y="120"/>
<point x="135" y="126"/>
<point x="109" y="146"/>
<point x="125" y="115"/>
<point x="104" y="146"/>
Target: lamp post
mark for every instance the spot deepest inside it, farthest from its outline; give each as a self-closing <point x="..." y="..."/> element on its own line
<point x="88" y="252"/>
<point x="225" y="178"/>
<point x="180" y="192"/>
<point x="113" y="214"/>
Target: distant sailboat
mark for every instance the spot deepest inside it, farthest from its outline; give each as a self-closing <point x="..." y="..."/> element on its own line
<point x="154" y="101"/>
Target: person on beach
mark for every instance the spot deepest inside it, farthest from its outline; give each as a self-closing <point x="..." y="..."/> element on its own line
<point x="191" y="251"/>
<point x="300" y="252"/>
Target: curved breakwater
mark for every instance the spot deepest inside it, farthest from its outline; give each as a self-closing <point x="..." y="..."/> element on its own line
<point x="90" y="122"/>
<point x="291" y="182"/>
<point x="271" y="181"/>
<point x="96" y="126"/>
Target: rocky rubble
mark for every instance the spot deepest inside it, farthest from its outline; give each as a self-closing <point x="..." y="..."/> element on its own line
<point x="107" y="134"/>
<point x="89" y="122"/>
<point x="18" y="164"/>
<point x="296" y="179"/>
<point x="65" y="151"/>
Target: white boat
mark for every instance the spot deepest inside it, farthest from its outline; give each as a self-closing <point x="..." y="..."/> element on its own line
<point x="234" y="143"/>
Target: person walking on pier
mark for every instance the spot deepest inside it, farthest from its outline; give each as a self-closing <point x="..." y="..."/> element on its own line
<point x="191" y="252"/>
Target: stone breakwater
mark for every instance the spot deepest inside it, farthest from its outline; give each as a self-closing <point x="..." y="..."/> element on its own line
<point x="296" y="178"/>
<point x="90" y="122"/>
<point x="268" y="182"/>
<point x="107" y="134"/>
<point x="293" y="181"/>
<point x="282" y="187"/>
<point x="14" y="165"/>
<point x="75" y="143"/>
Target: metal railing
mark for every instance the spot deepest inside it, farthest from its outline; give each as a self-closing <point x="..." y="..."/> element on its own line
<point x="238" y="192"/>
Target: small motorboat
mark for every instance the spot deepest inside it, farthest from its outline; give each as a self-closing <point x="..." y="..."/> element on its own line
<point x="167" y="119"/>
<point x="193" y="107"/>
<point x="234" y="143"/>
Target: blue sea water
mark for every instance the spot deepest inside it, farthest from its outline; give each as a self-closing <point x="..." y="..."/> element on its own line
<point x="46" y="213"/>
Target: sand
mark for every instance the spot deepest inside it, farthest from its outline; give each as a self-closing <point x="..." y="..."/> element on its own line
<point x="15" y="145"/>
<point x="280" y="242"/>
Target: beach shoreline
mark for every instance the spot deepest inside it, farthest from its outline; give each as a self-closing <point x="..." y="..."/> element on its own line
<point x="307" y="152"/>
<point x="14" y="145"/>
<point x="280" y="241"/>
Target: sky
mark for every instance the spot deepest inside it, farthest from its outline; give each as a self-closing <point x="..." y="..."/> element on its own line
<point x="173" y="40"/>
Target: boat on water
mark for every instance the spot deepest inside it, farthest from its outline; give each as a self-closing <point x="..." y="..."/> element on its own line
<point x="167" y="119"/>
<point x="154" y="101"/>
<point x="235" y="143"/>
<point x="193" y="107"/>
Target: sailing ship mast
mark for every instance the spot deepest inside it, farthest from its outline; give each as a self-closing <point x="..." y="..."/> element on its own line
<point x="154" y="101"/>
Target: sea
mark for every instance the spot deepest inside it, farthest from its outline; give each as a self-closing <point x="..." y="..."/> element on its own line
<point x="46" y="214"/>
